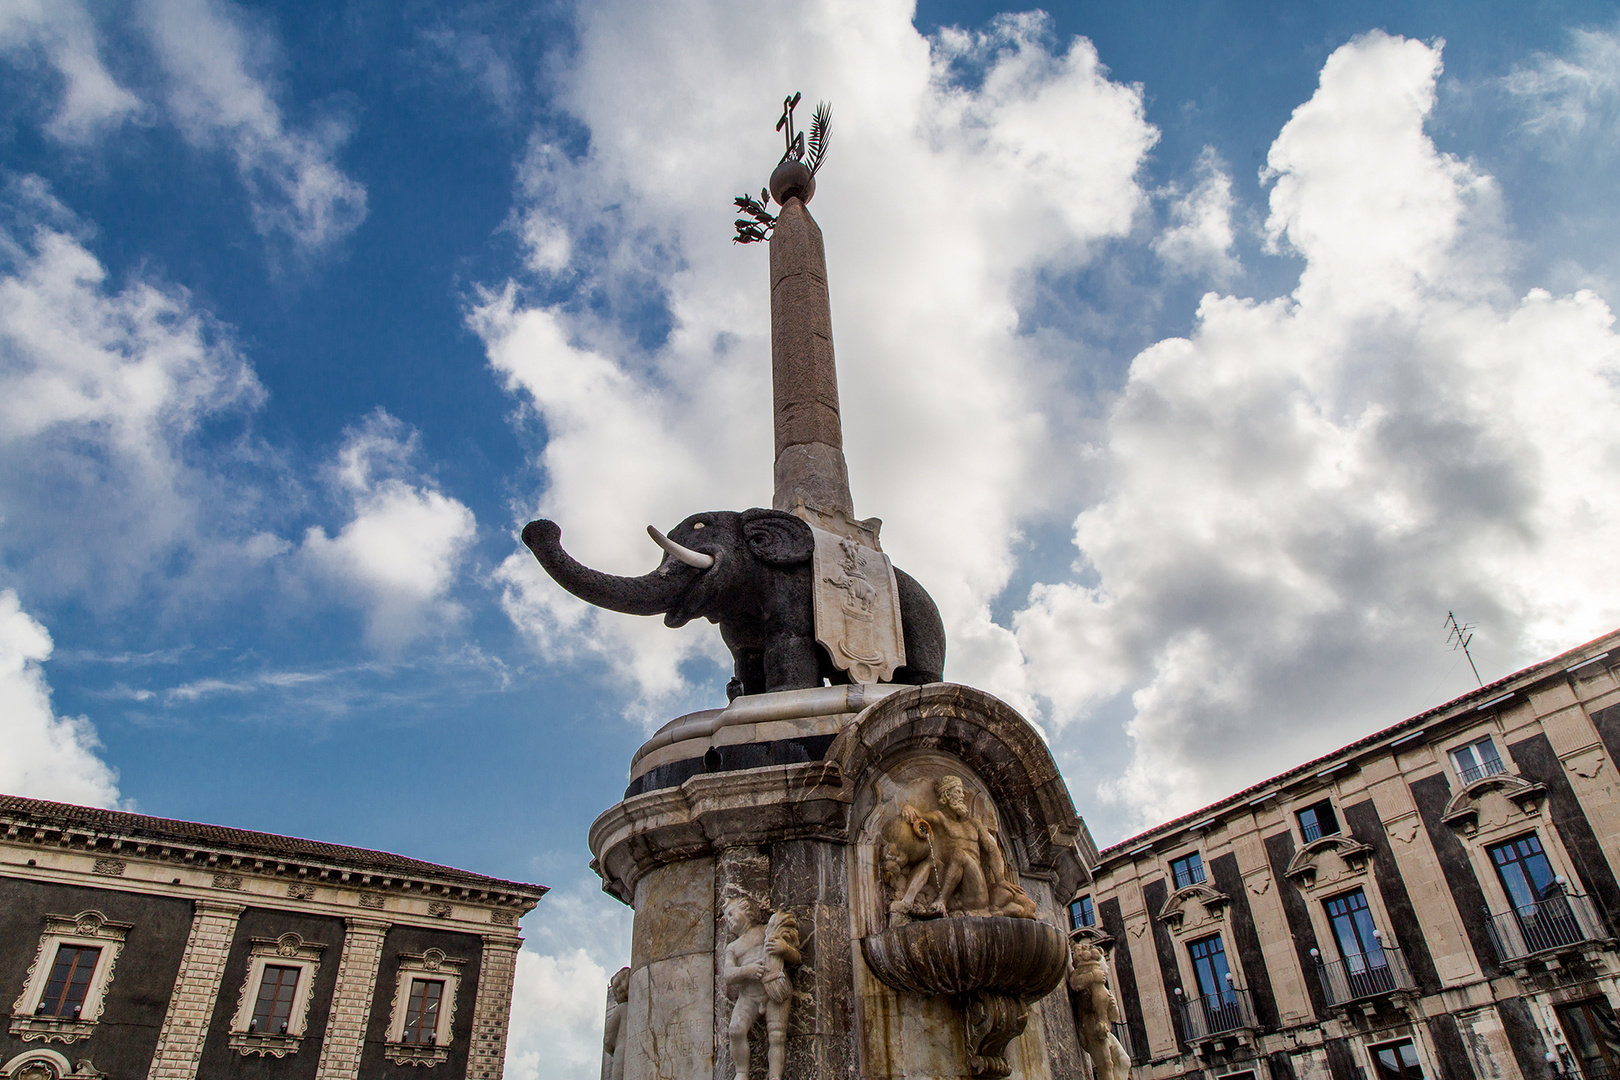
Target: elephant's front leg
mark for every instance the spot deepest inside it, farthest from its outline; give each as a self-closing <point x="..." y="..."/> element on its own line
<point x="747" y="663"/>
<point x="791" y="663"/>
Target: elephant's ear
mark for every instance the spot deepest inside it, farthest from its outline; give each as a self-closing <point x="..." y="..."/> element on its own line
<point x="777" y="537"/>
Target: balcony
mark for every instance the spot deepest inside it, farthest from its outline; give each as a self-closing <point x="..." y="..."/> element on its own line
<point x="1488" y="767"/>
<point x="1313" y="831"/>
<point x="1364" y="977"/>
<point x="1540" y="931"/>
<point x="1208" y="1017"/>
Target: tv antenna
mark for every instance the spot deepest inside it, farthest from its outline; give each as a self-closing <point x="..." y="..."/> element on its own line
<point x="1459" y="637"/>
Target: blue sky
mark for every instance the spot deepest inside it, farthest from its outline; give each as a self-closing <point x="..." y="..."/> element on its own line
<point x="1199" y="358"/>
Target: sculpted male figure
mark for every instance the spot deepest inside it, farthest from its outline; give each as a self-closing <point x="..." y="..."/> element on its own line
<point x="613" y="1029"/>
<point x="1095" y="1013"/>
<point x="967" y="853"/>
<point x="754" y="969"/>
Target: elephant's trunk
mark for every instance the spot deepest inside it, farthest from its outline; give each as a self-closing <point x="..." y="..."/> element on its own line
<point x="650" y="594"/>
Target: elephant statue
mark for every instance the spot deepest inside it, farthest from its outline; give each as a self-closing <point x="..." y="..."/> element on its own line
<point x="750" y="573"/>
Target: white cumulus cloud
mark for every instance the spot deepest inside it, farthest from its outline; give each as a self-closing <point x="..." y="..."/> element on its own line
<point x="63" y="32"/>
<point x="102" y="388"/>
<point x="218" y="98"/>
<point x="1200" y="238"/>
<point x="46" y="756"/>
<point x="577" y="938"/>
<point x="558" y="1005"/>
<point x="1298" y="492"/>
<point x="961" y="166"/>
<point x="398" y="554"/>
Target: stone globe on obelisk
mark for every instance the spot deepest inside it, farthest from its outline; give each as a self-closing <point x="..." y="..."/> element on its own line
<point x="853" y="869"/>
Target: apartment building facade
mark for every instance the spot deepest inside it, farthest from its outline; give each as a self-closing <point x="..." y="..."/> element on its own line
<point x="1434" y="902"/>
<point x="142" y="948"/>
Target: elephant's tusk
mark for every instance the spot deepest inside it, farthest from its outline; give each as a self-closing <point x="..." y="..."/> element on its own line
<point x="684" y="554"/>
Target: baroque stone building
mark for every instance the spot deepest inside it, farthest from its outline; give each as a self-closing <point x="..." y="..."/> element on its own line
<point x="138" y="947"/>
<point x="1435" y="901"/>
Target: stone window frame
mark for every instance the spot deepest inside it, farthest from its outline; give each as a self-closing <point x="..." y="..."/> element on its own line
<point x="1329" y="797"/>
<point x="1172" y="858"/>
<point x="1497" y="900"/>
<point x="1490" y="728"/>
<point x="51" y="1059"/>
<point x="89" y="928"/>
<point x="288" y="950"/>
<point x="431" y="964"/>
<point x="1322" y="923"/>
<point x="1363" y="1048"/>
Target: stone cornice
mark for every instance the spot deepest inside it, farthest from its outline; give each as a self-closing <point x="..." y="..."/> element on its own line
<point x="715" y="811"/>
<point x="115" y="836"/>
<point x="233" y="883"/>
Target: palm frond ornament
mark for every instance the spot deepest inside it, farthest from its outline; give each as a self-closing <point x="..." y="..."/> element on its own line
<point x="794" y="176"/>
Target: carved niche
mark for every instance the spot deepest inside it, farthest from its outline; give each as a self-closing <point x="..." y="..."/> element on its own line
<point x="1328" y="861"/>
<point x="942" y="911"/>
<point x="1493" y="802"/>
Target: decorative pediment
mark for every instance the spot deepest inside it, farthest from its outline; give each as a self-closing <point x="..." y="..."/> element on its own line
<point x="1325" y="861"/>
<point x="1192" y="907"/>
<point x="1093" y="935"/>
<point x="1492" y="800"/>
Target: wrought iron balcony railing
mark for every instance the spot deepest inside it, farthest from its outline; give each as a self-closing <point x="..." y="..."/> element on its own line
<point x="1558" y="922"/>
<point x="1369" y="975"/>
<point x="1314" y="831"/>
<point x="1485" y="768"/>
<point x="1206" y="1015"/>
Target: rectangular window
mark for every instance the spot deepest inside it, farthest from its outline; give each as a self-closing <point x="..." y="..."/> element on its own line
<point x="1395" y="1061"/>
<point x="1525" y="874"/>
<point x="69" y="981"/>
<point x="1594" y="1036"/>
<point x="1188" y="870"/>
<point x="1209" y="966"/>
<point x="1081" y="914"/>
<point x="1477" y="760"/>
<point x="1353" y="930"/>
<point x="273" y="1009"/>
<point x="1317" y="821"/>
<point x="422" y="1011"/>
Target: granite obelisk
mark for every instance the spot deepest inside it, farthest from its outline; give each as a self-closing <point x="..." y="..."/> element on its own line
<point x="811" y="477"/>
<point x="810" y="471"/>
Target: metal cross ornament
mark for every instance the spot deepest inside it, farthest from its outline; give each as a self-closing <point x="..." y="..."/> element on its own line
<point x="795" y="143"/>
<point x="812" y="152"/>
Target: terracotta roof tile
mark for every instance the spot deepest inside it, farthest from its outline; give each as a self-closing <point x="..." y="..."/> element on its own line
<point x="19" y="810"/>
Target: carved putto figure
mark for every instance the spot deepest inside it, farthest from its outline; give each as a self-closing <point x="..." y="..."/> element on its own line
<point x="1095" y="1012"/>
<point x="948" y="861"/>
<point x="755" y="974"/>
<point x="613" y="1028"/>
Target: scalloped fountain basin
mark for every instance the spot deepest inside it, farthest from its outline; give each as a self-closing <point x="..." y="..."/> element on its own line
<point x="1022" y="958"/>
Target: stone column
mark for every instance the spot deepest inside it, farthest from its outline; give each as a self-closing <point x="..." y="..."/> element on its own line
<point x="196" y="989"/>
<point x="351" y="999"/>
<point x="810" y="469"/>
<point x="495" y="971"/>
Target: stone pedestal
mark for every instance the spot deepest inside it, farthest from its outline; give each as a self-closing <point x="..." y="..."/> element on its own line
<point x="783" y="799"/>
